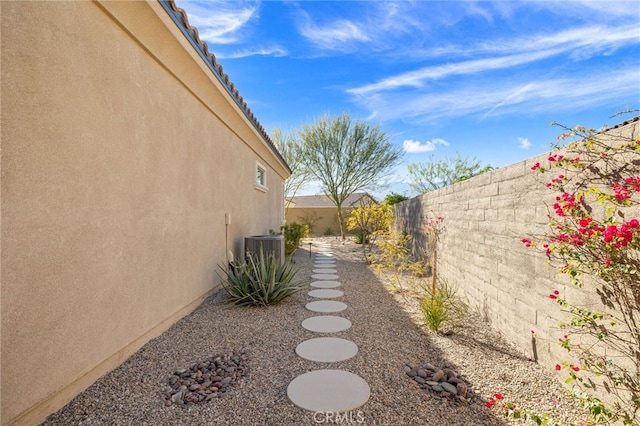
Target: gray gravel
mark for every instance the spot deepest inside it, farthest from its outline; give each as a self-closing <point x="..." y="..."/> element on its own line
<point x="386" y="329"/>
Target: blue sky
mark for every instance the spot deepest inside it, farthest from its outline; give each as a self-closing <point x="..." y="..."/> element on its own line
<point x="481" y="78"/>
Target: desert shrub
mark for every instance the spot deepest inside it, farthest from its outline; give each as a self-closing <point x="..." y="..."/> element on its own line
<point x="328" y="232"/>
<point x="394" y="258"/>
<point x="359" y="237"/>
<point x="293" y="234"/>
<point x="261" y="281"/>
<point x="442" y="307"/>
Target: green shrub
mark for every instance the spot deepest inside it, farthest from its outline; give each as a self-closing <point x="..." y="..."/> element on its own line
<point x="328" y="232"/>
<point x="358" y="237"/>
<point x="261" y="281"/>
<point x="442" y="307"/>
<point x="293" y="233"/>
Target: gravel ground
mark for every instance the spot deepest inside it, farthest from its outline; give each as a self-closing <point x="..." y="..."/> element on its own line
<point x="386" y="328"/>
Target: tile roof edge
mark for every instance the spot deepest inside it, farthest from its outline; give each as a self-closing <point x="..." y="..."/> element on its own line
<point x="624" y="123"/>
<point x="179" y="17"/>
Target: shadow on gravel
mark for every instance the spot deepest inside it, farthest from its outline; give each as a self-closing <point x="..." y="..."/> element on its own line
<point x="389" y="344"/>
<point x="387" y="338"/>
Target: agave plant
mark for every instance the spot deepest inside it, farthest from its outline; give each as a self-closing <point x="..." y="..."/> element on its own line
<point x="261" y="281"/>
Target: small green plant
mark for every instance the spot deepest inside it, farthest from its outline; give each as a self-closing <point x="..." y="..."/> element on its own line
<point x="293" y="233"/>
<point x="359" y="237"/>
<point x="370" y="220"/>
<point x="394" y="259"/>
<point x="442" y="307"/>
<point x="328" y="232"/>
<point x="262" y="281"/>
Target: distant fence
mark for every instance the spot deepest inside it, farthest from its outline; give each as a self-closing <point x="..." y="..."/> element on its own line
<point x="480" y="251"/>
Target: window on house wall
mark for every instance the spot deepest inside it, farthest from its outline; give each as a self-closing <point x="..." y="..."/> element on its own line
<point x="261" y="177"/>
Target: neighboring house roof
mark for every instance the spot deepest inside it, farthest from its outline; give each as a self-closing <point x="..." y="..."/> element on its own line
<point x="321" y="201"/>
<point x="179" y="16"/>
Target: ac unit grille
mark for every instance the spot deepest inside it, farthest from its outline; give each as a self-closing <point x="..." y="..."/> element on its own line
<point x="269" y="244"/>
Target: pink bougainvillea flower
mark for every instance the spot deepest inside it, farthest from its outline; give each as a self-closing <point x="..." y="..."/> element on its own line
<point x="585" y="221"/>
<point x="553" y="296"/>
<point x="490" y="403"/>
<point x="535" y="166"/>
<point x="498" y="396"/>
<point x="574" y="368"/>
<point x="558" y="367"/>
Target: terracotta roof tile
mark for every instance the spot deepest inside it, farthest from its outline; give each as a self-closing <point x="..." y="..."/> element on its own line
<point x="179" y="16"/>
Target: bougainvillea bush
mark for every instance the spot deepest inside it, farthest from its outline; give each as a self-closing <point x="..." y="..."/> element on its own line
<point x="594" y="239"/>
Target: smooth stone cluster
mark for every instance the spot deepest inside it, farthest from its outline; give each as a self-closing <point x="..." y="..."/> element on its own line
<point x="442" y="383"/>
<point x="205" y="380"/>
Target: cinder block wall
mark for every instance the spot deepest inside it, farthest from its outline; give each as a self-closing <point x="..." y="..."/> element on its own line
<point x="480" y="250"/>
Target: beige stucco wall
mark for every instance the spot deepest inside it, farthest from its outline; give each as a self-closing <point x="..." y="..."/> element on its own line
<point x="121" y="154"/>
<point x="326" y="218"/>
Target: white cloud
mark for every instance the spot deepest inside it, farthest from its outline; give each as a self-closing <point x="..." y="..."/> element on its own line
<point x="491" y="98"/>
<point x="524" y="143"/>
<point x="275" y="51"/>
<point x="220" y="22"/>
<point x="415" y="147"/>
<point x="579" y="44"/>
<point x="337" y="35"/>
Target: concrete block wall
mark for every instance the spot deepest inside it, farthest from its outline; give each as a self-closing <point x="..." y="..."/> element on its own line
<point x="480" y="251"/>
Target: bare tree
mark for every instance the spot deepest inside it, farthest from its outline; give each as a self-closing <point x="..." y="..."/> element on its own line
<point x="433" y="174"/>
<point x="290" y="147"/>
<point x="346" y="157"/>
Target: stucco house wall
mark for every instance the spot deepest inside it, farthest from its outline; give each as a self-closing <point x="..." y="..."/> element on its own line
<point x="321" y="211"/>
<point x="121" y="154"/>
<point x="323" y="219"/>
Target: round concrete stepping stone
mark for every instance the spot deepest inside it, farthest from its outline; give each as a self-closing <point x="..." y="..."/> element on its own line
<point x="327" y="349"/>
<point x="325" y="284"/>
<point x="325" y="293"/>
<point x="328" y="391"/>
<point x="324" y="277"/>
<point x="326" y="324"/>
<point x="326" y="306"/>
<point x="325" y="271"/>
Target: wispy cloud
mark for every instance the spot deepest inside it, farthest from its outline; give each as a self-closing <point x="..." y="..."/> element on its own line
<point x="485" y="98"/>
<point x="275" y="51"/>
<point x="220" y="22"/>
<point x="335" y="35"/>
<point x="415" y="147"/>
<point x="580" y="43"/>
<point x="419" y="77"/>
<point x="524" y="143"/>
